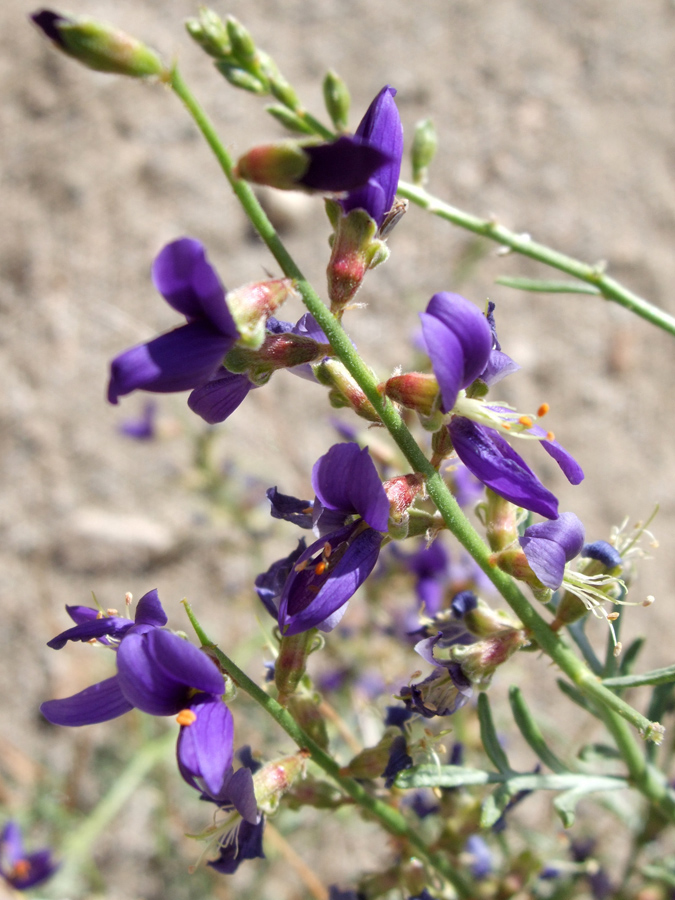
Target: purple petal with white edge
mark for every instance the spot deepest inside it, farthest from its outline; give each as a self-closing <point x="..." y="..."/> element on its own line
<point x="216" y="400"/>
<point x="158" y="670"/>
<point x="309" y="599"/>
<point x="189" y="283"/>
<point x="149" y="610"/>
<point x="494" y="462"/>
<point x="346" y="479"/>
<point x="341" y="165"/>
<point x="107" y="626"/>
<point x="445" y="352"/>
<point x="380" y="127"/>
<point x="469" y="326"/>
<point x="98" y="703"/>
<point x="205" y="748"/>
<point x="177" y="361"/>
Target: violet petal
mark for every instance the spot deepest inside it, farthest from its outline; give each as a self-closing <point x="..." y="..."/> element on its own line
<point x="341" y="165"/>
<point x="346" y="479"/>
<point x="494" y="462"/>
<point x="205" y="748"/>
<point x="98" y="703"/>
<point x="218" y="398"/>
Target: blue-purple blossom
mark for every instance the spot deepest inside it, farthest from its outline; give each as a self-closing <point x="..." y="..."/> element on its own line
<point x="458" y="340"/>
<point x="19" y="869"/>
<point x="144" y="427"/>
<point x="162" y="675"/>
<point x="549" y="546"/>
<point x="188" y="356"/>
<point x="380" y="128"/>
<point x="399" y="760"/>
<point x="350" y="514"/>
<point x="481" y="858"/>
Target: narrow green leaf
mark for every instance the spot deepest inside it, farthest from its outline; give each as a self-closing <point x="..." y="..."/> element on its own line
<point x="547" y="287"/>
<point x="494" y="805"/>
<point x="289" y="119"/>
<point x="576" y="696"/>
<point x="630" y="655"/>
<point x="444" y="776"/>
<point x="578" y="635"/>
<point x="489" y="737"/>
<point x="531" y="731"/>
<point x="565" y="805"/>
<point x="659" y="873"/>
<point x="590" y="753"/>
<point x="656" y="676"/>
<point x="458" y="776"/>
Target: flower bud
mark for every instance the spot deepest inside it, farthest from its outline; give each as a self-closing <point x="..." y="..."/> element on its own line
<point x="278" y="351"/>
<point x="337" y="99"/>
<point x="355" y="249"/>
<point x="274" y="779"/>
<point x="425" y="144"/>
<point x="99" y="46"/>
<point x="252" y="304"/>
<point x="414" y="390"/>
<point x="210" y="33"/>
<point x="500" y="515"/>
<point x="345" y="391"/>
<point x="479" y="660"/>
<point x="402" y="492"/>
<point x="243" y="45"/>
<point x="483" y="621"/>
<point x="279" y="165"/>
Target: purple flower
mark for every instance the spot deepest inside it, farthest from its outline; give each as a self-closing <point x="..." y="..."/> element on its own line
<point x="602" y="552"/>
<point x="380" y="128"/>
<point x="243" y="840"/>
<point x="144" y="427"/>
<point x="458" y="340"/>
<point x="331" y="569"/>
<point x="188" y="356"/>
<point x="481" y="857"/>
<point x="548" y="546"/>
<point x="462" y="345"/>
<point x="160" y="674"/>
<point x="19" y="869"/>
<point x="431" y="566"/>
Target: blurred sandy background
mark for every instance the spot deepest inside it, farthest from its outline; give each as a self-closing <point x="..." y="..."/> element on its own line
<point x="557" y="118"/>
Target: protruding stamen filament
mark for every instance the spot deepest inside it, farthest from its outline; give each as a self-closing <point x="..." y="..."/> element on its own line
<point x="543" y="409"/>
<point x="186" y="717"/>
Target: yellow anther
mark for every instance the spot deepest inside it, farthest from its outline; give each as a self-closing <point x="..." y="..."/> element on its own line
<point x="320" y="568"/>
<point x="618" y="648"/>
<point x="550" y="436"/>
<point x="612" y="617"/>
<point x="128" y="598"/>
<point x="111" y="612"/>
<point x="327" y="550"/>
<point x="301" y="566"/>
<point x="186" y="717"/>
<point x="100" y="614"/>
<point x="526" y="421"/>
<point x="506" y="425"/>
<point x="543" y="409"/>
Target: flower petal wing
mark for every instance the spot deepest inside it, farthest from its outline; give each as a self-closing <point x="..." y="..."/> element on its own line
<point x="341" y="165"/>
<point x="216" y="400"/>
<point x="205" y="748"/>
<point x="98" y="703"/>
<point x="346" y="479"/>
<point x="149" y="610"/>
<point x="177" y="361"/>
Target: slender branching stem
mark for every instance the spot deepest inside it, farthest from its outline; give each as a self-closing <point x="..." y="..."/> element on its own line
<point x="549" y="641"/>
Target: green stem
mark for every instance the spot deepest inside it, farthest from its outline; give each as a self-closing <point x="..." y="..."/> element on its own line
<point x="549" y="641"/>
<point x="519" y="243"/>
<point x="388" y="817"/>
